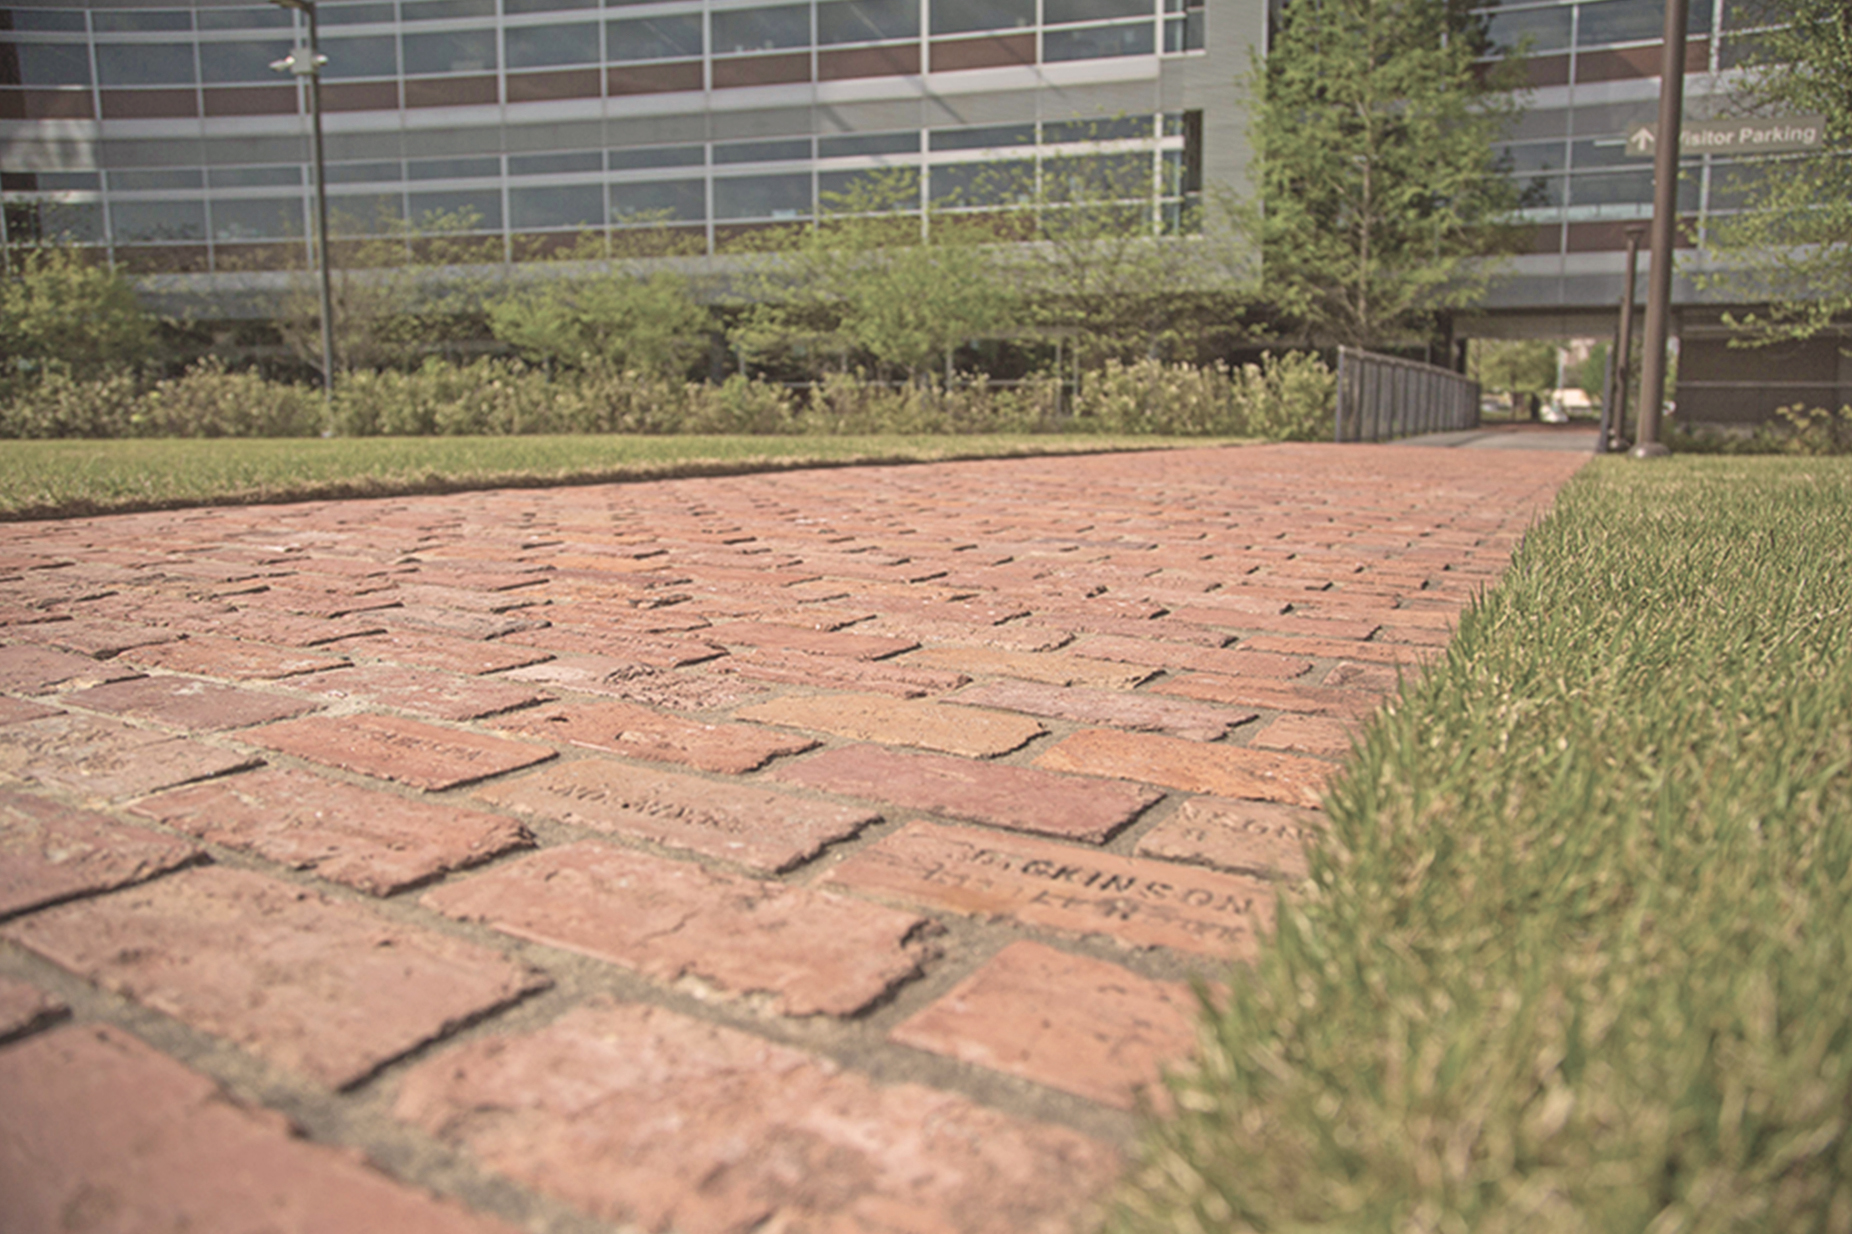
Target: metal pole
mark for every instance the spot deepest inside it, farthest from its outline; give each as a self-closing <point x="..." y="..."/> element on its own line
<point x="1665" y="224"/>
<point x="1623" y="358"/>
<point x="312" y="69"/>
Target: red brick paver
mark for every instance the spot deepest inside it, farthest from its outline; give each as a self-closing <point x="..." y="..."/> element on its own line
<point x="860" y="825"/>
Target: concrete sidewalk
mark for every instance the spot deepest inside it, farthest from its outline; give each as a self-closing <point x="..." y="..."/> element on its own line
<point x="814" y="851"/>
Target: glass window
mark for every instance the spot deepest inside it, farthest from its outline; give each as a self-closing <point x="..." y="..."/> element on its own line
<point x="965" y="16"/>
<point x="531" y="47"/>
<point x="373" y="56"/>
<point x="80" y="222"/>
<point x="1546" y="29"/>
<point x="154" y="178"/>
<point x="862" y="144"/>
<point x="1060" y="12"/>
<point x="53" y="64"/>
<point x="251" y="177"/>
<point x="1096" y="42"/>
<point x="69" y="181"/>
<point x="657" y="156"/>
<point x="146" y="222"/>
<point x="260" y="18"/>
<point x="654" y="38"/>
<point x="363" y="173"/>
<point x="453" y="51"/>
<point x="562" y="205"/>
<point x="1737" y="185"/>
<point x="469" y="210"/>
<point x="257" y="218"/>
<point x="453" y="169"/>
<point x="134" y="21"/>
<point x="762" y="197"/>
<point x="47" y="19"/>
<point x="1184" y="33"/>
<point x="440" y="10"/>
<point x="364" y="214"/>
<point x="1097" y="177"/>
<point x="762" y="151"/>
<point x="979" y="138"/>
<point x="983" y="184"/>
<point x="1609" y="187"/>
<point x="145" y="64"/>
<point x="1633" y="21"/>
<point x="866" y="21"/>
<point x="1535" y="156"/>
<point x="555" y="164"/>
<point x="353" y="14"/>
<point x="871" y="190"/>
<point x="739" y="30"/>
<point x="512" y="7"/>
<point x="1541" y="192"/>
<point x="1603" y="152"/>
<point x="1117" y="128"/>
<point x="221" y="62"/>
<point x="667" y="201"/>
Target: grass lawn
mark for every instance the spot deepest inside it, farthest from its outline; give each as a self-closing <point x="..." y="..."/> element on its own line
<point x="1575" y="955"/>
<point x="44" y="479"/>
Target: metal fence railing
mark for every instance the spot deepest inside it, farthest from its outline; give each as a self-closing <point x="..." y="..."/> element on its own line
<point x="1383" y="397"/>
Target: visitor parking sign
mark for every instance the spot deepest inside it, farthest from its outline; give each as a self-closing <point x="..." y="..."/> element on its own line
<point x="1746" y="136"/>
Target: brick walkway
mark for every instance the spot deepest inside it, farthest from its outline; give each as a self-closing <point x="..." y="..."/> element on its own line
<point x="815" y="851"/>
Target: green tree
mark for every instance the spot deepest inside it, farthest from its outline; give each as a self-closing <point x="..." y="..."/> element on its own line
<point x="1516" y="368"/>
<point x="62" y="309"/>
<point x="1791" y="246"/>
<point x="1379" y="194"/>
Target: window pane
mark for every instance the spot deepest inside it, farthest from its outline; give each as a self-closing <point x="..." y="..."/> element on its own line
<point x="148" y="64"/>
<point x="871" y="190"/>
<point x="477" y="210"/>
<point x="865" y="21"/>
<point x="567" y="205"/>
<point x="657" y="156"/>
<point x="1611" y="187"/>
<point x="964" y="16"/>
<point x="531" y="47"/>
<point x="264" y="17"/>
<point x="554" y="164"/>
<point x="154" y="178"/>
<point x="242" y="61"/>
<point x="1097" y="177"/>
<point x="671" y="201"/>
<point x="1055" y="12"/>
<point x="251" y="177"/>
<point x="54" y="64"/>
<point x="737" y="30"/>
<point x="1547" y="29"/>
<point x="374" y="56"/>
<point x="353" y="14"/>
<point x="362" y="173"/>
<point x="47" y="19"/>
<point x="851" y="144"/>
<point x="1119" y="128"/>
<point x="73" y="181"/>
<point x="762" y="151"/>
<point x="262" y="218"/>
<point x="153" y="221"/>
<point x="135" y="20"/>
<point x="454" y="51"/>
<point x="1095" y="42"/>
<point x="439" y="10"/>
<point x="1633" y="21"/>
<point x="453" y="169"/>
<point x="654" y="38"/>
<point x="80" y="222"/>
<point x="762" y="197"/>
<point x="365" y="214"/>
<point x="1535" y="156"/>
<point x="979" y="138"/>
<point x="545" y="6"/>
<point x="983" y="184"/>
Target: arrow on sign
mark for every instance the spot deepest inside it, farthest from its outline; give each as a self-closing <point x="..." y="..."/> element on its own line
<point x="1640" y="142"/>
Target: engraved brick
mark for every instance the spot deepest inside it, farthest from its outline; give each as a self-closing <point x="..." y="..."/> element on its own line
<point x="1136" y="901"/>
<point x="393" y="748"/>
<point x="1062" y="669"/>
<point x="1317" y="735"/>
<point x="25" y="1009"/>
<point x="635" y="649"/>
<point x="187" y="702"/>
<point x="816" y="642"/>
<point x="1379" y="679"/>
<point x="1247" y="692"/>
<point x="1118" y="708"/>
<point x="1262" y="838"/>
<point x="1071" y="1022"/>
<point x="33" y="670"/>
<point x="635" y="1114"/>
<point x="625" y="728"/>
<point x="797" y="668"/>
<point x="765" y="830"/>
<point x="211" y="656"/>
<point x="808" y="952"/>
<point x="1226" y="771"/>
<point x="438" y="651"/>
<point x="895" y="721"/>
<point x="327" y="989"/>
<point x="468" y="625"/>
<point x="1017" y="636"/>
<point x="104" y="1133"/>
<point x="107" y="759"/>
<point x="1234" y="662"/>
<point x="1019" y="798"/>
<point x="50" y="852"/>
<point x="18" y="711"/>
<point x="655" y="687"/>
<point x="378" y="842"/>
<point x="442" y="696"/>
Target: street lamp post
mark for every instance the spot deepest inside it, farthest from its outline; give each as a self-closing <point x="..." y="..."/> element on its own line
<point x="1665" y="225"/>
<point x="309" y="65"/>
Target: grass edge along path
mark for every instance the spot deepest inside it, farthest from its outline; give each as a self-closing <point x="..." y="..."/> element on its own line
<point x="69" y="477"/>
<point x="1574" y="957"/>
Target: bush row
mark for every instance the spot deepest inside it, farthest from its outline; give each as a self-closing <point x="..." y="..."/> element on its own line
<point x="1288" y="398"/>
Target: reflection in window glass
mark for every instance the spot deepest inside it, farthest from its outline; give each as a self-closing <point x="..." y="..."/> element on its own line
<point x="153" y="222"/>
<point x="738" y="30"/>
<point x="545" y="6"/>
<point x="110" y="21"/>
<point x="47" y="19"/>
<point x="670" y="201"/>
<point x="869" y="191"/>
<point x="257" y="218"/>
<point x="1059" y="12"/>
<point x="364" y="214"/>
<point x="69" y="181"/>
<point x="983" y="184"/>
<point x="1541" y="192"/>
<point x="261" y="18"/>
<point x="252" y="177"/>
<point x="371" y="56"/>
<point x="657" y="156"/>
<point x="862" y="144"/>
<point x="762" y="197"/>
<point x="1116" y="128"/>
<point x="145" y="64"/>
<point x="440" y="10"/>
<point x="453" y="51"/>
<point x="1607" y="152"/>
<point x="468" y="210"/>
<point x="867" y="21"/>
<point x="363" y="173"/>
<point x="979" y="138"/>
<point x="1097" y="177"/>
<point x="1184" y="33"/>
<point x="1611" y="187"/>
<point x="78" y="222"/>
<point x="762" y="151"/>
<point x="965" y="16"/>
<point x="453" y="169"/>
<point x="1097" y="42"/>
<point x="1534" y="156"/>
<point x="532" y="47"/>
<point x="1546" y="29"/>
<point x="562" y="205"/>
<point x="353" y="14"/>
<point x="227" y="62"/>
<point x="1633" y="21"/>
<point x="555" y="164"/>
<point x="654" y="38"/>
<point x="154" y="178"/>
<point x="1735" y="186"/>
<point x="53" y="64"/>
